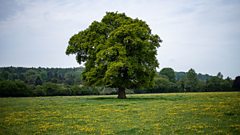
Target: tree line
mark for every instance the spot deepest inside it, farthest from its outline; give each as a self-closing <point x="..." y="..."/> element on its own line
<point x="38" y="76"/>
<point x="167" y="80"/>
<point x="20" y="81"/>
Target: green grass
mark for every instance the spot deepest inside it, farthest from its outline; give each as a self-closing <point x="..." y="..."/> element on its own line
<point x="176" y="113"/>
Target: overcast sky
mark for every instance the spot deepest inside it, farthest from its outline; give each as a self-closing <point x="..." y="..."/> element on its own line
<point x="199" y="34"/>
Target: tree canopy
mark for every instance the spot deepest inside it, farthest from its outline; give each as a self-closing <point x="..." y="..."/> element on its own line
<point x="191" y="80"/>
<point x="236" y="83"/>
<point x="118" y="52"/>
<point x="169" y="72"/>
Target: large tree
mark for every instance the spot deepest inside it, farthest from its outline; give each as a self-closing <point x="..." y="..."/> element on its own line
<point x="118" y="52"/>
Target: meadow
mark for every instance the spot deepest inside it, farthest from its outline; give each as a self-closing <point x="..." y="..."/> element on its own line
<point x="175" y="113"/>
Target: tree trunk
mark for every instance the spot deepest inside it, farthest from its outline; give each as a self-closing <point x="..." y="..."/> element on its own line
<point x="121" y="93"/>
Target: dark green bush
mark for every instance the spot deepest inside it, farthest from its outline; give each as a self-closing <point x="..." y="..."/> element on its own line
<point x="39" y="91"/>
<point x="14" y="89"/>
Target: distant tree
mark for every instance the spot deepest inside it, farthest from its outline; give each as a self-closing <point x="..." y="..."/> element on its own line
<point x="163" y="84"/>
<point x="217" y="83"/>
<point x="181" y="84"/>
<point x="51" y="89"/>
<point x="13" y="89"/>
<point x="201" y="86"/>
<point x="31" y="76"/>
<point x="169" y="72"/>
<point x="38" y="81"/>
<point x="191" y="80"/>
<point x="22" y="77"/>
<point x="226" y="84"/>
<point x="236" y="83"/>
<point x="5" y="75"/>
<point x="180" y="75"/>
<point x="220" y="75"/>
<point x="119" y="52"/>
<point x="204" y="77"/>
<point x="69" y="79"/>
<point x="214" y="84"/>
<point x="39" y="91"/>
<point x="43" y="75"/>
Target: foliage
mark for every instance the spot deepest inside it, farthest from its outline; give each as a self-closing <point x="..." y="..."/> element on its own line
<point x="220" y="75"/>
<point x="38" y="76"/>
<point x="119" y="52"/>
<point x="191" y="80"/>
<point x="201" y="77"/>
<point x="17" y="81"/>
<point x="175" y="113"/>
<point x="236" y="83"/>
<point x="217" y="83"/>
<point x="38" y="81"/>
<point x="169" y="72"/>
<point x="39" y="91"/>
<point x="163" y="85"/>
<point x="13" y="88"/>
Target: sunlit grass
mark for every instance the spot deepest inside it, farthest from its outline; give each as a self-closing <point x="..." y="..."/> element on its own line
<point x="176" y="113"/>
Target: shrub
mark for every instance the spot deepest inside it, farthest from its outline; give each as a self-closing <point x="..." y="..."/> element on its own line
<point x="14" y="89"/>
<point x="39" y="91"/>
<point x="51" y="89"/>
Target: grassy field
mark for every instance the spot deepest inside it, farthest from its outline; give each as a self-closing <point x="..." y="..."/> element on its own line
<point x="176" y="113"/>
